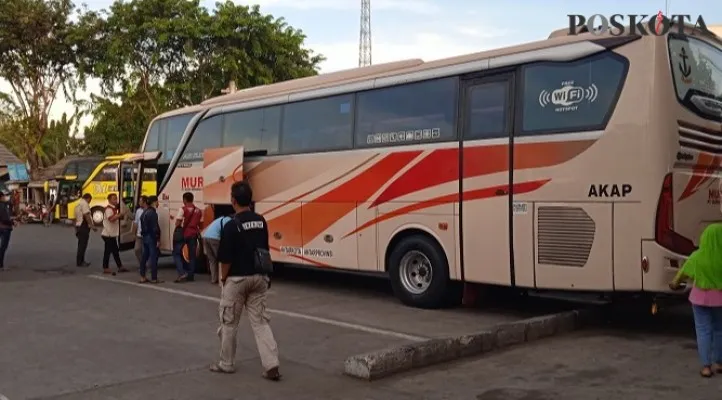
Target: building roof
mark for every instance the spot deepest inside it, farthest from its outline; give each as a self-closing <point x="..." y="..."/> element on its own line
<point x="56" y="169"/>
<point x="7" y="157"/>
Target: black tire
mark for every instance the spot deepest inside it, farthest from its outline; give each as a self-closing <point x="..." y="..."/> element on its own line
<point x="436" y="294"/>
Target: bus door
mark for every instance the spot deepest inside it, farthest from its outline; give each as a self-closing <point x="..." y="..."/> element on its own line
<point x="130" y="181"/>
<point x="486" y="122"/>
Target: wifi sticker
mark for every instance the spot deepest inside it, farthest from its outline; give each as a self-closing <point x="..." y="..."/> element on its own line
<point x="568" y="97"/>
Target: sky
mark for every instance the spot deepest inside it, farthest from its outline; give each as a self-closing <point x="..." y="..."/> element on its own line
<point x="433" y="29"/>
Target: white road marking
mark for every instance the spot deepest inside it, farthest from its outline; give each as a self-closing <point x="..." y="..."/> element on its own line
<point x="291" y="314"/>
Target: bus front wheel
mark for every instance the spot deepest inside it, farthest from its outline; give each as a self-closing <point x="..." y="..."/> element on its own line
<point x="97" y="214"/>
<point x="419" y="272"/>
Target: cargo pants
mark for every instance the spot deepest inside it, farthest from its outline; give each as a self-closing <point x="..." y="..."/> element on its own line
<point x="247" y="292"/>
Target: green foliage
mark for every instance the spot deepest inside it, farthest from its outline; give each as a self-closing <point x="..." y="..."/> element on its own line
<point x="37" y="60"/>
<point x="156" y="55"/>
<point x="58" y="142"/>
<point x="150" y="55"/>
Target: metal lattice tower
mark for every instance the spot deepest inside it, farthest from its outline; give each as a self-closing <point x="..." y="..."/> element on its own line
<point x="364" y="40"/>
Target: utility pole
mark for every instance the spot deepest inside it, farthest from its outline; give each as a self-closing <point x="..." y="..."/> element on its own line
<point x="364" y="42"/>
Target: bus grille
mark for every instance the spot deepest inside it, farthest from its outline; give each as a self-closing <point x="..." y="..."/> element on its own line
<point x="693" y="137"/>
<point x="565" y="236"/>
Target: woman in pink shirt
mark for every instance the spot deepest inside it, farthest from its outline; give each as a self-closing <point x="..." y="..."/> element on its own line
<point x="704" y="269"/>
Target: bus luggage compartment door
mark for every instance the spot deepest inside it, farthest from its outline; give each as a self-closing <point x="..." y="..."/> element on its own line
<point x="573" y="246"/>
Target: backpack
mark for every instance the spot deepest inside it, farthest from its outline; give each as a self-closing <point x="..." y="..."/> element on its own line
<point x="262" y="262"/>
<point x="179" y="232"/>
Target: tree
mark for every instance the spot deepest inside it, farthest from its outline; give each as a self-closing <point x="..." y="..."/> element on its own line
<point x="118" y="126"/>
<point x="156" y="55"/>
<point x="58" y="142"/>
<point x="37" y="60"/>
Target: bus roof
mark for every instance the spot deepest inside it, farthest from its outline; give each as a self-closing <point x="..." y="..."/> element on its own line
<point x="343" y="77"/>
<point x="351" y="76"/>
<point x="413" y="69"/>
<point x="314" y="81"/>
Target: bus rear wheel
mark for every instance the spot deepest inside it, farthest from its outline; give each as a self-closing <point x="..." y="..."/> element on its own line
<point x="98" y="215"/>
<point x="419" y="272"/>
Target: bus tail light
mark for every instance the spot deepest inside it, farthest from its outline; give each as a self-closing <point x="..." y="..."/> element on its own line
<point x="664" y="233"/>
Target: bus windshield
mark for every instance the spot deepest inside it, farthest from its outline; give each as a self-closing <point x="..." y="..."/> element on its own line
<point x="165" y="134"/>
<point x="697" y="70"/>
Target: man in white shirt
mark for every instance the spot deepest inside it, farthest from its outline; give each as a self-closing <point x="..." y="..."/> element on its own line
<point x="111" y="231"/>
<point x="142" y="205"/>
<point x="83" y="225"/>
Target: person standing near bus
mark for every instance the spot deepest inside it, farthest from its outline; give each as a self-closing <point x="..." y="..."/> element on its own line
<point x="110" y="233"/>
<point x="51" y="211"/>
<point x="187" y="230"/>
<point x="150" y="231"/>
<point x="211" y="242"/>
<point x="243" y="286"/>
<point x="6" y="227"/>
<point x="703" y="269"/>
<point x="138" y="249"/>
<point x="83" y="226"/>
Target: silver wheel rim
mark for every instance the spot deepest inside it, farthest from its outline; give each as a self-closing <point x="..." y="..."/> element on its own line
<point x="98" y="216"/>
<point x="416" y="272"/>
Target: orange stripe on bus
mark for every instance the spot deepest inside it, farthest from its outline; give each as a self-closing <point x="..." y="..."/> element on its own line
<point x="477" y="194"/>
<point x="317" y="215"/>
<point x="347" y="173"/>
<point x="442" y="166"/>
<point x="702" y="172"/>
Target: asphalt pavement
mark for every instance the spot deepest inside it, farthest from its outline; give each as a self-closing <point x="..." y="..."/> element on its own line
<point x="71" y="333"/>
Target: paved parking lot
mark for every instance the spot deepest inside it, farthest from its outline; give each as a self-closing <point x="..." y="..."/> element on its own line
<point x="70" y="333"/>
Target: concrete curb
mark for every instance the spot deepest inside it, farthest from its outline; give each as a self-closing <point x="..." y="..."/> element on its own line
<point x="386" y="362"/>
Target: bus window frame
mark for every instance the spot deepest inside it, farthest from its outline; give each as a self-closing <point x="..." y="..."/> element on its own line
<point x="520" y="85"/>
<point x="686" y="101"/>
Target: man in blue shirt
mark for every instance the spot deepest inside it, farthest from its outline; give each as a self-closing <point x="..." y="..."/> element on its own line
<point x="211" y="241"/>
<point x="150" y="232"/>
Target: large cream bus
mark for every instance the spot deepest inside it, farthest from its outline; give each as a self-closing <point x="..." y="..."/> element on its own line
<point x="582" y="163"/>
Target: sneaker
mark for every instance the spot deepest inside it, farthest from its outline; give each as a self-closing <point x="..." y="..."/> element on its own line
<point x="84" y="265"/>
<point x="217" y="368"/>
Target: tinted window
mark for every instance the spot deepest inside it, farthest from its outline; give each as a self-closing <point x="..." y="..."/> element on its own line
<point x="71" y="169"/>
<point x="413" y="113"/>
<point x="150" y="174"/>
<point x="107" y="174"/>
<point x="151" y="144"/>
<point x="253" y="129"/>
<point x="577" y="95"/>
<point x="207" y="135"/>
<point x="174" y="132"/>
<point x="85" y="168"/>
<point x="323" y="124"/>
<point x="487" y="110"/>
<point x="697" y="71"/>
